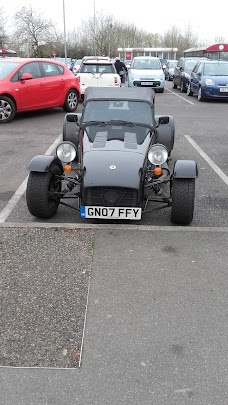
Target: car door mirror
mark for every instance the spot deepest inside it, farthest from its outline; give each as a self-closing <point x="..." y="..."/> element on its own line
<point x="163" y="120"/>
<point x="26" y="76"/>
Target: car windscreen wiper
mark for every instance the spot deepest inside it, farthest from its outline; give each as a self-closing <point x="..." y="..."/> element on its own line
<point x="98" y="123"/>
<point x="121" y="122"/>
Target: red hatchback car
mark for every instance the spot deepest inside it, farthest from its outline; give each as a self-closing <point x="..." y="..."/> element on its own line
<point x="33" y="84"/>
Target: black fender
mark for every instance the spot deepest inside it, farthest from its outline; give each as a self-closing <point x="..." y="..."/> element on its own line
<point x="185" y="169"/>
<point x="165" y="131"/>
<point x="71" y="128"/>
<point x="43" y="163"/>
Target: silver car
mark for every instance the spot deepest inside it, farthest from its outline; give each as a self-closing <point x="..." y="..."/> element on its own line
<point x="146" y="71"/>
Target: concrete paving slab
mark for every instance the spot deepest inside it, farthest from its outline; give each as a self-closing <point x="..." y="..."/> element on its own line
<point x="43" y="286"/>
<point x="156" y="330"/>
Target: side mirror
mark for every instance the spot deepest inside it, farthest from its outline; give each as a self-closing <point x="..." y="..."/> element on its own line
<point x="26" y="76"/>
<point x="72" y="117"/>
<point x="163" y="120"/>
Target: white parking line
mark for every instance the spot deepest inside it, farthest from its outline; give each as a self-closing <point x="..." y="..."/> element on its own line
<point x="175" y="94"/>
<point x="217" y="170"/>
<point x="21" y="189"/>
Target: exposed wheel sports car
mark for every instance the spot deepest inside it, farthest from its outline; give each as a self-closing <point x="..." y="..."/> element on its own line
<point x="115" y="160"/>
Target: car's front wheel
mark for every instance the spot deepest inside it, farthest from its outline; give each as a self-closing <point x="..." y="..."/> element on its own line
<point x="183" y="197"/>
<point x="189" y="91"/>
<point x="7" y="110"/>
<point x="200" y="97"/>
<point x="40" y="197"/>
<point x="71" y="101"/>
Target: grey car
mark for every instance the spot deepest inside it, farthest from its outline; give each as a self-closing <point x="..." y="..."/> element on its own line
<point x="114" y="161"/>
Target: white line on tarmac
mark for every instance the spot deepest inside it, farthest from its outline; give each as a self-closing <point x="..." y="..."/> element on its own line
<point x="21" y="189"/>
<point x="217" y="170"/>
<point x="175" y="94"/>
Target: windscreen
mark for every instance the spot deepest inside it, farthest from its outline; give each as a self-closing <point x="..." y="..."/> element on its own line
<point x="107" y="110"/>
<point x="6" y="68"/>
<point x="97" y="68"/>
<point x="216" y="69"/>
<point x="152" y="64"/>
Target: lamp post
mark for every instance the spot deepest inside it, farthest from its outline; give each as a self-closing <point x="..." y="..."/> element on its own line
<point x="94" y="28"/>
<point x="64" y="29"/>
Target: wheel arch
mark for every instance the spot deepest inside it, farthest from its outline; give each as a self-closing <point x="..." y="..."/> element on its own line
<point x="185" y="169"/>
<point x="43" y="164"/>
<point x="11" y="98"/>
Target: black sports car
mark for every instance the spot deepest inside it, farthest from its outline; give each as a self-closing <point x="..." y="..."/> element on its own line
<point x="114" y="159"/>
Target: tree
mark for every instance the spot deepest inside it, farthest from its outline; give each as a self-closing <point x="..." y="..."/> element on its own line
<point x="3" y="37"/>
<point x="174" y="38"/>
<point x="32" y="30"/>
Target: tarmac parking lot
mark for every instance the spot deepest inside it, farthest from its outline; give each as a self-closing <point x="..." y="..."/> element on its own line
<point x="116" y="313"/>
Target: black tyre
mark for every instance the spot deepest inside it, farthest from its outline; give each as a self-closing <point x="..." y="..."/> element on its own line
<point x="7" y="110"/>
<point x="200" y="98"/>
<point x="71" y="101"/>
<point x="183" y="197"/>
<point x="189" y="91"/>
<point x="161" y="90"/>
<point x="174" y="85"/>
<point x="70" y="132"/>
<point x="40" y="202"/>
<point x="182" y="87"/>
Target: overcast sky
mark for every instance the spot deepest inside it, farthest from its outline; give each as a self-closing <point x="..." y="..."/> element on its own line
<point x="207" y="20"/>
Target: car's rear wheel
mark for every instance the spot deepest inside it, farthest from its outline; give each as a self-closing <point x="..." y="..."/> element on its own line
<point x="200" y="98"/>
<point x="71" y="101"/>
<point x="189" y="91"/>
<point x="7" y="110"/>
<point x="183" y="197"/>
<point x="41" y="201"/>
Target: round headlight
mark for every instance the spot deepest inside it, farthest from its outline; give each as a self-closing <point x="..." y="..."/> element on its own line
<point x="66" y="152"/>
<point x="157" y="155"/>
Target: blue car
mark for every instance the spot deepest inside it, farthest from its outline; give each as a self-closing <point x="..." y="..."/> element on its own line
<point x="209" y="79"/>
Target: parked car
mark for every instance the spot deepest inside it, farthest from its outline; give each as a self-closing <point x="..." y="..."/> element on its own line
<point x="85" y="58"/>
<point x="146" y="71"/>
<point x="97" y="73"/>
<point x="169" y="69"/>
<point x="34" y="84"/>
<point x="182" y="71"/>
<point x="76" y="66"/>
<point x="68" y="61"/>
<point x="127" y="63"/>
<point x="209" y="79"/>
<point x="114" y="161"/>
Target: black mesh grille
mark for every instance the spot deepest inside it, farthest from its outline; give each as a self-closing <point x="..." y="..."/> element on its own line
<point x="111" y="197"/>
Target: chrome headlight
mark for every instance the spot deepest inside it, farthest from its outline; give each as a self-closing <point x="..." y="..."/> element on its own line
<point x="157" y="154"/>
<point x="66" y="152"/>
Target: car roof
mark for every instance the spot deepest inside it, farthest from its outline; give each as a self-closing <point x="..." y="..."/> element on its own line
<point x="146" y="57"/>
<point x="194" y="57"/>
<point x="25" y="60"/>
<point x="97" y="61"/>
<point x="214" y="61"/>
<point x="120" y="93"/>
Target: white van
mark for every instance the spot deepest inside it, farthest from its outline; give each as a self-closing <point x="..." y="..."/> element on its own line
<point x="146" y="71"/>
